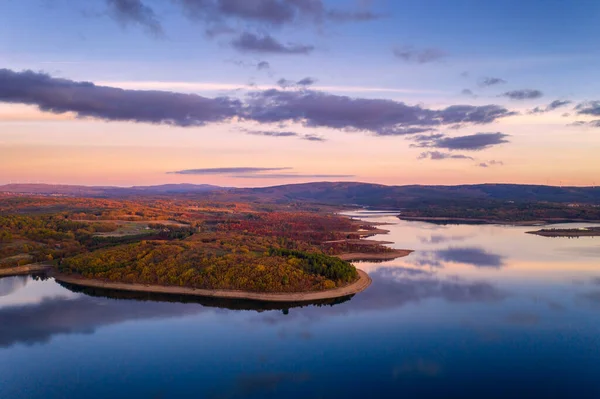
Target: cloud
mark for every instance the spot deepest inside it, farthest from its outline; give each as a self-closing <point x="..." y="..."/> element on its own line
<point x="135" y="12"/>
<point x="472" y="142"/>
<point x="309" y="107"/>
<point x="436" y="155"/>
<point x="382" y="117"/>
<point x="308" y="137"/>
<point x="488" y="81"/>
<point x="594" y="123"/>
<point x="284" y="83"/>
<point x="313" y="137"/>
<point x="424" y="56"/>
<point x="551" y="107"/>
<point x="85" y="99"/>
<point x="490" y="163"/>
<point x="351" y="16"/>
<point x="301" y="84"/>
<point x="272" y="12"/>
<point x="525" y="94"/>
<point x="250" y="42"/>
<point x="271" y="134"/>
<point x="588" y="108"/>
<point x="467" y="92"/>
<point x="219" y="30"/>
<point x="262" y="65"/>
<point x="306" y="82"/>
<point x="292" y="176"/>
<point x="225" y="171"/>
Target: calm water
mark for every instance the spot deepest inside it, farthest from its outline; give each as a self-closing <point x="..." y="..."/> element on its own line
<point x="476" y="312"/>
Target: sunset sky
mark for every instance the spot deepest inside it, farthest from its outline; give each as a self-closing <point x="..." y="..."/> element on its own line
<point x="265" y="92"/>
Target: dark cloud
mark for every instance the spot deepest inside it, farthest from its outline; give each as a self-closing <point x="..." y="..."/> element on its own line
<point x="285" y="83"/>
<point x="468" y="92"/>
<point x="85" y="99"/>
<point x="250" y="42"/>
<point x="351" y="16"/>
<point x="550" y="107"/>
<point x="272" y="12"/>
<point x="308" y="107"/>
<point x="488" y="81"/>
<point x="472" y="142"/>
<point x="271" y="134"/>
<point x="525" y="94"/>
<point x="437" y="156"/>
<point x="557" y="104"/>
<point x="594" y="123"/>
<point x="490" y="163"/>
<point x="588" y="108"/>
<point x="411" y="54"/>
<point x="225" y="171"/>
<point x="263" y="65"/>
<point x="382" y="117"/>
<point x="291" y="176"/>
<point x="135" y="12"/>
<point x="308" y="137"/>
<point x="306" y="82"/>
<point x="313" y="137"/>
<point x="477" y="257"/>
<point x="219" y="30"/>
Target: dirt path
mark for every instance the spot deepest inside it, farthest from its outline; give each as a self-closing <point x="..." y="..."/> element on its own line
<point x="360" y="285"/>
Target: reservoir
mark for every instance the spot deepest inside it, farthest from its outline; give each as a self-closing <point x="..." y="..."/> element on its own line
<point x="477" y="311"/>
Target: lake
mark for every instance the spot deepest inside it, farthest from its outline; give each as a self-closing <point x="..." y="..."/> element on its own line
<point x="478" y="311"/>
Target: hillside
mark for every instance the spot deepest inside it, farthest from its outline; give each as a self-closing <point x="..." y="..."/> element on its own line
<point x="337" y="193"/>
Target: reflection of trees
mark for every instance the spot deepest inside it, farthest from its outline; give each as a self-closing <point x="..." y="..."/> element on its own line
<point x="222" y="303"/>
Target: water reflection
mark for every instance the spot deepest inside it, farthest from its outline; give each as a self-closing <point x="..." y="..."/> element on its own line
<point x="9" y="285"/>
<point x="471" y="307"/>
<point x="221" y="303"/>
<point x="38" y="323"/>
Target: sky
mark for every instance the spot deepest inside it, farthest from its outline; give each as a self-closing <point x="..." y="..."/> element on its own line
<point x="265" y="92"/>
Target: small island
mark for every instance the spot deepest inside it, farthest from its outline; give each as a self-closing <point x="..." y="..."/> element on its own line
<point x="263" y="252"/>
<point x="578" y="232"/>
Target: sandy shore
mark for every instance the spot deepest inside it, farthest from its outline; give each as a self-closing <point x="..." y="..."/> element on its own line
<point x="360" y="285"/>
<point x="360" y="256"/>
<point x="23" y="270"/>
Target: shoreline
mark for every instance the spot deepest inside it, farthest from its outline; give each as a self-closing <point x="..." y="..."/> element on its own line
<point x="568" y="233"/>
<point x="24" y="270"/>
<point x="376" y="256"/>
<point x="363" y="282"/>
<point x="451" y="220"/>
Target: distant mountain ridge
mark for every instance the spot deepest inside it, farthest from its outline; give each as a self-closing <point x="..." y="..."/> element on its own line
<point x="338" y="193"/>
<point x="106" y="191"/>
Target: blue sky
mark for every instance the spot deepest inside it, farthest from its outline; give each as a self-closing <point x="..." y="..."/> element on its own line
<point x="431" y="54"/>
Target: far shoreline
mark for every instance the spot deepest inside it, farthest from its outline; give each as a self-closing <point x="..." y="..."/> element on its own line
<point x="453" y="220"/>
<point x="363" y="282"/>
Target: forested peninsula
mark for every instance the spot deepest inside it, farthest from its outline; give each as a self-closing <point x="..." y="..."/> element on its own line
<point x="191" y="246"/>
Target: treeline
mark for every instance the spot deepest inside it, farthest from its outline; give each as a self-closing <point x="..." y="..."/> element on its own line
<point x="320" y="264"/>
<point x="192" y="264"/>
